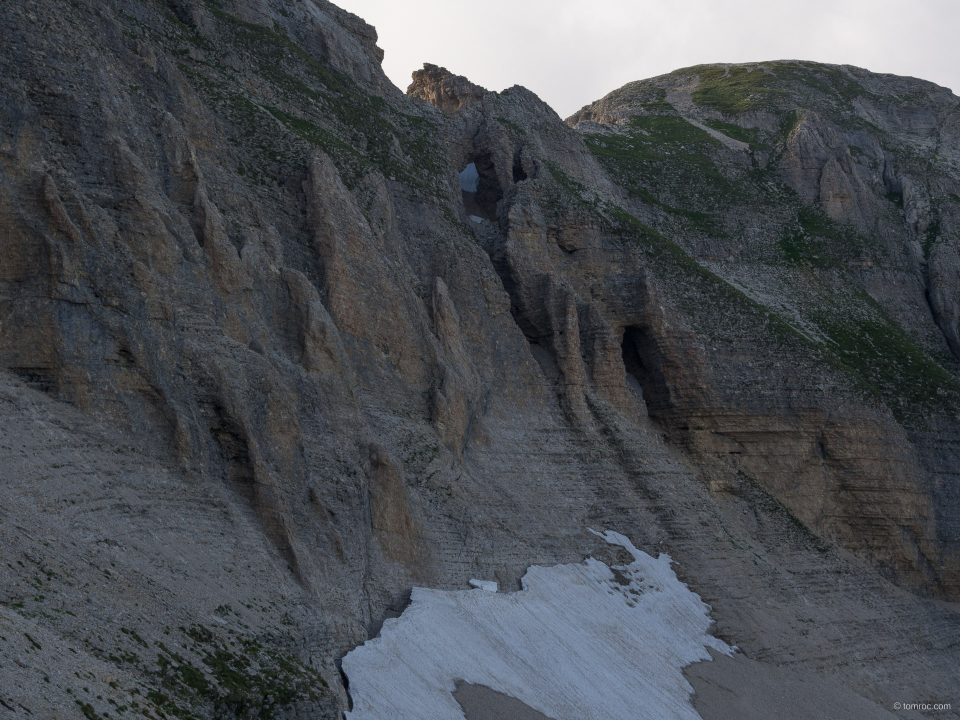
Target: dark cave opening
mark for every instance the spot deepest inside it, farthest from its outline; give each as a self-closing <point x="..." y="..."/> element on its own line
<point x="642" y="361"/>
<point x="518" y="172"/>
<point x="480" y="188"/>
<point x="234" y="450"/>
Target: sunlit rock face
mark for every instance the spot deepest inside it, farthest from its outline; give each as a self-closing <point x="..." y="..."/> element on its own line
<point x="578" y="641"/>
<point x="443" y="89"/>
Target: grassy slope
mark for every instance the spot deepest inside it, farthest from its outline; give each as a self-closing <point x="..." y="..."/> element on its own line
<point x="318" y="105"/>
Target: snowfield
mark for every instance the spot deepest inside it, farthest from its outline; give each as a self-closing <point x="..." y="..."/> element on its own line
<point x="578" y="642"/>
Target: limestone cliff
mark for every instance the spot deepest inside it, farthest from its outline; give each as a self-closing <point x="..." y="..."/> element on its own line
<point x="262" y="373"/>
<point x="444" y="90"/>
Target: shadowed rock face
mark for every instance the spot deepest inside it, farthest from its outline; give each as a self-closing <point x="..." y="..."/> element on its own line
<point x="257" y="359"/>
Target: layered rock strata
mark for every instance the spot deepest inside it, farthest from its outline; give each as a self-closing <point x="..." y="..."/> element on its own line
<point x="262" y="374"/>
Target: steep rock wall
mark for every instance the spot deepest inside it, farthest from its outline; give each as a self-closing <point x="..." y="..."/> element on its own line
<point x="239" y="278"/>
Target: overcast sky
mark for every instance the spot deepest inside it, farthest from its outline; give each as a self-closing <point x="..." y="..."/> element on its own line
<point x="572" y="52"/>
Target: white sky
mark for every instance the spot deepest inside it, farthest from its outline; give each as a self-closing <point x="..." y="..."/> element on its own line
<point x="572" y="52"/>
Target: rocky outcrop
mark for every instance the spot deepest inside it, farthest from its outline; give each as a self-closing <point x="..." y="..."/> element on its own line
<point x="446" y="91"/>
<point x="836" y="169"/>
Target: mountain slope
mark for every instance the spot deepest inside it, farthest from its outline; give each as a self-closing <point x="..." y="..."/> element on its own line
<point x="829" y="196"/>
<point x="263" y="373"/>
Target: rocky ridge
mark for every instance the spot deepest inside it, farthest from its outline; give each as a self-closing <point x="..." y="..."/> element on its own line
<point x="263" y="374"/>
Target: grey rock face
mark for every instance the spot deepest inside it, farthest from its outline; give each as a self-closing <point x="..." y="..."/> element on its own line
<point x="262" y="374"/>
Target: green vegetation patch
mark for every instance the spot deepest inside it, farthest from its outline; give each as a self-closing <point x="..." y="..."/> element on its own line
<point x="817" y="240"/>
<point x="349" y="161"/>
<point x="319" y="105"/>
<point x="668" y="162"/>
<point x="789" y="122"/>
<point x="669" y="130"/>
<point x="575" y="190"/>
<point x="736" y="90"/>
<point x="237" y="678"/>
<point x="887" y="362"/>
<point x="512" y="126"/>
<point x="830" y="81"/>
<point x="706" y="223"/>
<point x="272" y="45"/>
<point x="87" y="710"/>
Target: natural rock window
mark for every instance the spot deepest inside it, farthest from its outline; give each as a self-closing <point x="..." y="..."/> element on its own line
<point x="481" y="189"/>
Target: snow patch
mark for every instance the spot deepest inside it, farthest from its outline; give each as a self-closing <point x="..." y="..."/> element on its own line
<point x="487" y="585"/>
<point x="578" y="642"/>
<point x="470" y="178"/>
